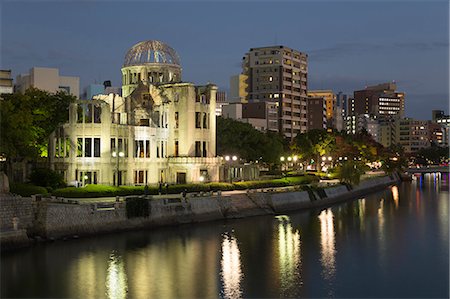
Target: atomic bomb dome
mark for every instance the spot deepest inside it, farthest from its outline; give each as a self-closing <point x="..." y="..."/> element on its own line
<point x="149" y="62"/>
<point x="150" y="52"/>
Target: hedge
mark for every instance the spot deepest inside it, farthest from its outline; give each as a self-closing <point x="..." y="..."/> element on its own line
<point x="27" y="190"/>
<point x="108" y="191"/>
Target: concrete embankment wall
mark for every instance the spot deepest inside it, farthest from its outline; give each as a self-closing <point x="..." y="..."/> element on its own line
<point x="58" y="220"/>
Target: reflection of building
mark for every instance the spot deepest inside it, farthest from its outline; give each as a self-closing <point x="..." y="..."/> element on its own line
<point x="48" y="79"/>
<point x="279" y="74"/>
<point x="162" y="130"/>
<point x="6" y="82"/>
<point x="381" y="99"/>
<point x="330" y="104"/>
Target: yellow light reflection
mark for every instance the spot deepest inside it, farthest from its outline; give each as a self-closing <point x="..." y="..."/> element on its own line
<point x="116" y="278"/>
<point x="394" y="191"/>
<point x="289" y="255"/>
<point x="231" y="268"/>
<point x="327" y="241"/>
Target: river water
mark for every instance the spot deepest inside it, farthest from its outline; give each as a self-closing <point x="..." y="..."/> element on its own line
<point x="394" y="243"/>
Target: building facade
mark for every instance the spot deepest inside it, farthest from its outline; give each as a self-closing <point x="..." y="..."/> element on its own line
<point x="379" y="100"/>
<point x="6" y="82"/>
<point x="161" y="130"/>
<point x="238" y="89"/>
<point x="317" y="113"/>
<point x="330" y="104"/>
<point x="279" y="74"/>
<point x="412" y="134"/>
<point x="48" y="79"/>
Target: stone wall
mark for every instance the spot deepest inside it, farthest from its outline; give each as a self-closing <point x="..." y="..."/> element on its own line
<point x="15" y="206"/>
<point x="56" y="220"/>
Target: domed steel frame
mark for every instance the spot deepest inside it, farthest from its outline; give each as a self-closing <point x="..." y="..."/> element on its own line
<point x="151" y="51"/>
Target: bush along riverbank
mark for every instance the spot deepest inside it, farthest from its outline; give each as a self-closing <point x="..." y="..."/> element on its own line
<point x="92" y="191"/>
<point x="52" y="220"/>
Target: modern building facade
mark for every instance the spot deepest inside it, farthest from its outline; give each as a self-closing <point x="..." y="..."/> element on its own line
<point x="412" y="134"/>
<point x="341" y="111"/>
<point x="238" y="89"/>
<point x="317" y="113"/>
<point x="263" y="116"/>
<point x="379" y="100"/>
<point x="330" y="104"/>
<point x="48" y="79"/>
<point x="161" y="130"/>
<point x="6" y="82"/>
<point x="279" y="74"/>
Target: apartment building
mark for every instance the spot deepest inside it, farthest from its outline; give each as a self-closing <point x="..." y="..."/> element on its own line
<point x="279" y="74"/>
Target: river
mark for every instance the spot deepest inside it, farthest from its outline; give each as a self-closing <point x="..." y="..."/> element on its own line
<point x="393" y="243"/>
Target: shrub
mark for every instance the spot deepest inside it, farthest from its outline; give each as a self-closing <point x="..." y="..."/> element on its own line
<point x="47" y="178"/>
<point x="27" y="190"/>
<point x="220" y="186"/>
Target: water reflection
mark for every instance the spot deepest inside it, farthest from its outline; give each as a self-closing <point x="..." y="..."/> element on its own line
<point x="116" y="278"/>
<point x="231" y="272"/>
<point x="85" y="273"/>
<point x="288" y="257"/>
<point x="394" y="190"/>
<point x="327" y="241"/>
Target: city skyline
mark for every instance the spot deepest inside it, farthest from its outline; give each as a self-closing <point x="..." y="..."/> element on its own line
<point x="349" y="45"/>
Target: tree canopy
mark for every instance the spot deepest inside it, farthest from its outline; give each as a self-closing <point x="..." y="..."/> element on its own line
<point x="28" y="119"/>
<point x="241" y="139"/>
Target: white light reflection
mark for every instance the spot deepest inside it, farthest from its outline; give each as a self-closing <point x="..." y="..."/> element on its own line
<point x="289" y="256"/>
<point x="394" y="191"/>
<point x="116" y="278"/>
<point x="327" y="241"/>
<point x="231" y="267"/>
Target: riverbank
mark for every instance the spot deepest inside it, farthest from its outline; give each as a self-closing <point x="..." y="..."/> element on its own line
<point x="24" y="220"/>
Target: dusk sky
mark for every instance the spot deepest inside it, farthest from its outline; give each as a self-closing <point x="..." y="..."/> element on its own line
<point x="350" y="44"/>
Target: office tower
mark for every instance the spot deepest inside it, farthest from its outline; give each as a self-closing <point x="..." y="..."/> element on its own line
<point x="380" y="100"/>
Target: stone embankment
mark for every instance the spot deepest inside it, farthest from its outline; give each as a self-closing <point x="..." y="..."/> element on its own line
<point x="24" y="218"/>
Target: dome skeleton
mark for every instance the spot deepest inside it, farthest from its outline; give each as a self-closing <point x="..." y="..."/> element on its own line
<point x="151" y="51"/>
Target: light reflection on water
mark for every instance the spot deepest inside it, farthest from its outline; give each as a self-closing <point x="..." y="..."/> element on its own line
<point x="116" y="278"/>
<point x="328" y="251"/>
<point x="391" y="244"/>
<point x="289" y="257"/>
<point x="231" y="272"/>
<point x="394" y="190"/>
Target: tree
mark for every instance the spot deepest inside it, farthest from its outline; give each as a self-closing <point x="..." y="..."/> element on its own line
<point x="241" y="139"/>
<point x="28" y="119"/>
<point x="313" y="144"/>
<point x="350" y="172"/>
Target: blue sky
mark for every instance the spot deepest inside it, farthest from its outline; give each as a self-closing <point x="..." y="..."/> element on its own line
<point x="350" y="44"/>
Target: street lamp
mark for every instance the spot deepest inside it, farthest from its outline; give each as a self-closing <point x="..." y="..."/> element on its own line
<point x="229" y="160"/>
<point x="118" y="155"/>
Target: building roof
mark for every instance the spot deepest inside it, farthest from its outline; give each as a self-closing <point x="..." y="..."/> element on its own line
<point x="151" y="52"/>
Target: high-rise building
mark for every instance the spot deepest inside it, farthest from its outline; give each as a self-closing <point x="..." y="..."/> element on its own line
<point x="412" y="134"/>
<point x="341" y="111"/>
<point x="330" y="103"/>
<point x="317" y="113"/>
<point x="439" y="117"/>
<point x="6" y="82"/>
<point x="263" y="116"/>
<point x="48" y="79"/>
<point x="238" y="89"/>
<point x="380" y="100"/>
<point x="279" y="74"/>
